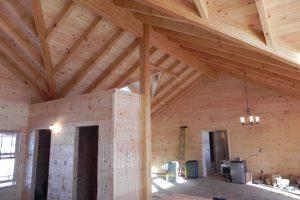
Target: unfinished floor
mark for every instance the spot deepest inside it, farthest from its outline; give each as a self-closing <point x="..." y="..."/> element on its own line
<point x="215" y="187"/>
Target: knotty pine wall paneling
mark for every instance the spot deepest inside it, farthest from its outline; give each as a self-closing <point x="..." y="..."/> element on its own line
<point x="117" y="115"/>
<point x="273" y="146"/>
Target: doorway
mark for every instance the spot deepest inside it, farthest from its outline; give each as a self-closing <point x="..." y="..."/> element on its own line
<point x="42" y="164"/>
<point x="215" y="149"/>
<point x="87" y="163"/>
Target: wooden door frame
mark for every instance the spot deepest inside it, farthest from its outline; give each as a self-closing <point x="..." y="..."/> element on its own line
<point x="203" y="132"/>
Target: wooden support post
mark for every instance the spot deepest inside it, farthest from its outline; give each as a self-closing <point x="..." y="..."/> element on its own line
<point x="145" y="90"/>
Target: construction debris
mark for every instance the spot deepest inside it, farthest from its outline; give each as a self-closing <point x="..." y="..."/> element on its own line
<point x="290" y="183"/>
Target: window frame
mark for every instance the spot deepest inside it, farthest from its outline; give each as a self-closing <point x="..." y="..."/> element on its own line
<point x="14" y="180"/>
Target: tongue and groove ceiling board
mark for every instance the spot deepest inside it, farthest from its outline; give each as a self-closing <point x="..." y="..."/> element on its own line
<point x="94" y="45"/>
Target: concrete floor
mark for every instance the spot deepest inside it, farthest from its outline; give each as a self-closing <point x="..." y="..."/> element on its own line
<point x="213" y="187"/>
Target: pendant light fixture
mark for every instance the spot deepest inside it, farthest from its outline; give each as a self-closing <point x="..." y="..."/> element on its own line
<point x="250" y="119"/>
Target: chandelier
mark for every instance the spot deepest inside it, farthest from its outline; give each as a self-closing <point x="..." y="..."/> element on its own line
<point x="249" y="119"/>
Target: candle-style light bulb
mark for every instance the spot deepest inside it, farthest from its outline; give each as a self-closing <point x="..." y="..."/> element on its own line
<point x="257" y="119"/>
<point x="251" y="119"/>
<point x="242" y="120"/>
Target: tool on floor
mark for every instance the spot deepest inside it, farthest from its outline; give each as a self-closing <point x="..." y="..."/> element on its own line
<point x="183" y="149"/>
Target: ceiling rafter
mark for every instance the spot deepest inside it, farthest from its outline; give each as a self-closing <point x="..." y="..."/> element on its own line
<point x="38" y="76"/>
<point x="173" y="48"/>
<point x="121" y="81"/>
<point x="202" y="8"/>
<point x="90" y="63"/>
<point x="236" y="57"/>
<point x="170" y="81"/>
<point x="130" y="71"/>
<point x="260" y="80"/>
<point x="218" y="45"/>
<point x="41" y="32"/>
<point x="173" y="66"/>
<point x="182" y="27"/>
<point x="126" y="75"/>
<point x="60" y="18"/>
<point x="179" y="95"/>
<point x="175" y="87"/>
<point x="264" y="21"/>
<point x="20" y="74"/>
<point x="124" y="55"/>
<point x="293" y="84"/>
<point x="138" y="7"/>
<point x="83" y="37"/>
<point x="157" y="65"/>
<point x="128" y="22"/>
<point x="26" y="24"/>
<point x="24" y="46"/>
<point x="164" y="71"/>
<point x="170" y="68"/>
<point x="155" y="82"/>
<point x="224" y="28"/>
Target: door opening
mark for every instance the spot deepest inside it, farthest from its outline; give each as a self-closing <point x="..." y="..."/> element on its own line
<point x="42" y="164"/>
<point x="215" y="149"/>
<point x="87" y="163"/>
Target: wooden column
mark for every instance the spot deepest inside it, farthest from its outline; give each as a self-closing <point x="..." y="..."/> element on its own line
<point x="145" y="91"/>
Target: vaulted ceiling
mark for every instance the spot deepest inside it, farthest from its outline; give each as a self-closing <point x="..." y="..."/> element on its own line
<point x="62" y="48"/>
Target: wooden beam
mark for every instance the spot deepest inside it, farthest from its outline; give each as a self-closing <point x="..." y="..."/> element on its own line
<point x="164" y="71"/>
<point x="140" y="8"/>
<point x="187" y="31"/>
<point x="128" y="22"/>
<point x="261" y="80"/>
<point x="202" y="8"/>
<point x="292" y="74"/>
<point x="83" y="37"/>
<point x="173" y="49"/>
<point x="126" y="75"/>
<point x="169" y="82"/>
<point x="60" y="18"/>
<point x="157" y="65"/>
<point x="145" y="91"/>
<point x="173" y="66"/>
<point x="38" y="76"/>
<point x="157" y="101"/>
<point x="90" y="63"/>
<point x="20" y="74"/>
<point x="129" y="72"/>
<point x="41" y="32"/>
<point x="163" y="59"/>
<point x="23" y="21"/>
<point x="180" y="9"/>
<point x="264" y="21"/>
<point x="178" y="26"/>
<point x="284" y="81"/>
<point x="155" y="82"/>
<point x="223" y="46"/>
<point x="110" y="69"/>
<point x="179" y="95"/>
<point x="26" y="48"/>
<point x="134" y="80"/>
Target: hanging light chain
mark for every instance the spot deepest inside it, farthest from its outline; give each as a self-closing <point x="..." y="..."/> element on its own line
<point x="246" y="93"/>
<point x="252" y="119"/>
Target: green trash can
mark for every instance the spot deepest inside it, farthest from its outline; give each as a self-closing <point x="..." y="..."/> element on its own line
<point x="191" y="167"/>
<point x="172" y="171"/>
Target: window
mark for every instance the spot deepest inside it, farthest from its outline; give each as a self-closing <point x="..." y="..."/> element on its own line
<point x="125" y="89"/>
<point x="8" y="153"/>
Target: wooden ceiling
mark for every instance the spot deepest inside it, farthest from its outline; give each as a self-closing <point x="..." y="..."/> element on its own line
<point x="62" y="48"/>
